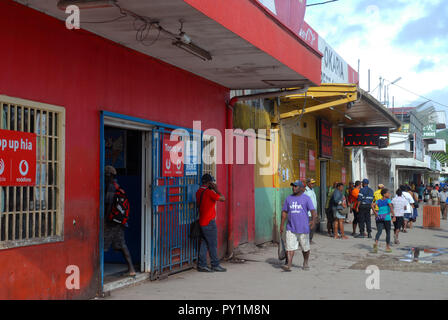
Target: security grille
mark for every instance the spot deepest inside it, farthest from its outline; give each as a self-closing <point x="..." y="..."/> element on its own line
<point x="34" y="214"/>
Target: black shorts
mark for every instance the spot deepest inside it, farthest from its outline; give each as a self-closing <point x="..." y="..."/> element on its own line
<point x="399" y="223"/>
<point x="355" y="216"/>
<point x="114" y="235"/>
<point x="330" y="216"/>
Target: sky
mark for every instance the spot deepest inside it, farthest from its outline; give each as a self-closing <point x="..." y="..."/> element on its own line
<point x="392" y="38"/>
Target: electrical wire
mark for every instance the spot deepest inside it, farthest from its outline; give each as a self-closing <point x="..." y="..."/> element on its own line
<point x="419" y="95"/>
<point x="320" y="3"/>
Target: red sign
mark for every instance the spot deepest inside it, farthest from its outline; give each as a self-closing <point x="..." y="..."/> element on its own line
<point x="290" y="13"/>
<point x="302" y="165"/>
<point x="17" y="158"/>
<point x="325" y="139"/>
<point x="173" y="158"/>
<point x="312" y="160"/>
<point x="344" y="175"/>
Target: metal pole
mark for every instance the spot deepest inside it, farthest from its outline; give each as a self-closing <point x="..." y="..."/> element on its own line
<point x="368" y="81"/>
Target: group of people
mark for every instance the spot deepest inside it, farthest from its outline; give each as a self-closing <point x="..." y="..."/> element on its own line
<point x="399" y="208"/>
<point x="299" y="215"/>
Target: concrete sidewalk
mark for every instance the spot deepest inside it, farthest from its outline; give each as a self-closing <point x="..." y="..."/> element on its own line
<point x="337" y="272"/>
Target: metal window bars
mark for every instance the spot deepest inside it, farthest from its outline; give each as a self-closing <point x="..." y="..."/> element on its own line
<point x="34" y="214"/>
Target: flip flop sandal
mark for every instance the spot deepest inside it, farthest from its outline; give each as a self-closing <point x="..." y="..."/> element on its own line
<point x="307" y="268"/>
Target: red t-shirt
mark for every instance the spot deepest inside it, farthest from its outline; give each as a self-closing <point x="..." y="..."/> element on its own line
<point x="207" y="210"/>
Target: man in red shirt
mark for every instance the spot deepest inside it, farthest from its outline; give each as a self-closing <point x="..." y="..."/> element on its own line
<point x="206" y="198"/>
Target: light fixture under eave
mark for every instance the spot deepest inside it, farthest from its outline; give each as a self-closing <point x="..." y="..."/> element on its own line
<point x="194" y="50"/>
<point x="348" y="117"/>
<point x="86" y="4"/>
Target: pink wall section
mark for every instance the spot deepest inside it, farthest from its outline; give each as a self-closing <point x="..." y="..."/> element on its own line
<point x="41" y="60"/>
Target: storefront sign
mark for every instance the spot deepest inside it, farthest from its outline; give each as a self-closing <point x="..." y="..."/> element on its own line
<point x="418" y="147"/>
<point x="17" y="158"/>
<point x="289" y="12"/>
<point x="302" y="165"/>
<point x="334" y="68"/>
<point x="325" y="139"/>
<point x="343" y="175"/>
<point x="429" y="131"/>
<point x="173" y="158"/>
<point x="366" y="137"/>
<point x="191" y="158"/>
<point x="312" y="160"/>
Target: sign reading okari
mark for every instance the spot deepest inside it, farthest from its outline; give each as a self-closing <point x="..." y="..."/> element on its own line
<point x="173" y="159"/>
<point x="17" y="158"/>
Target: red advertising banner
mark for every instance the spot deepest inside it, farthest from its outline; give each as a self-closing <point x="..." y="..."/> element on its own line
<point x="173" y="158"/>
<point x="290" y="13"/>
<point x="312" y="160"/>
<point x="17" y="158"/>
<point x="344" y="176"/>
<point x="325" y="139"/>
<point x="302" y="165"/>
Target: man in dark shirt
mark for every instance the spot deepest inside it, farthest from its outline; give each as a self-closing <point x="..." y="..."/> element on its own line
<point x="365" y="199"/>
<point x="114" y="232"/>
<point x="206" y="198"/>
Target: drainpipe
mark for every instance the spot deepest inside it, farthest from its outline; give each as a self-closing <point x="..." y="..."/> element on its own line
<point x="229" y="125"/>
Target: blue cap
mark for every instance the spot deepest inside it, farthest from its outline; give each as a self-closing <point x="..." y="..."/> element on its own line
<point x="297" y="183"/>
<point x="365" y="181"/>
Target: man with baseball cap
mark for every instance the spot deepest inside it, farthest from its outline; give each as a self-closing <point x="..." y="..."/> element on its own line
<point x="295" y="213"/>
<point x="365" y="200"/>
<point x="310" y="193"/>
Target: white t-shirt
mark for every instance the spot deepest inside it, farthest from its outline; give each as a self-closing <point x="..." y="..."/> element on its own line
<point x="399" y="204"/>
<point x="410" y="200"/>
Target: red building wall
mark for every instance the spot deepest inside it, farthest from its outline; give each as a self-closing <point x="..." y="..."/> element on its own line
<point x="43" y="61"/>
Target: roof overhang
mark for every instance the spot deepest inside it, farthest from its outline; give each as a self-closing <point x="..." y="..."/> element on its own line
<point x="343" y="104"/>
<point x="390" y="153"/>
<point x="250" y="49"/>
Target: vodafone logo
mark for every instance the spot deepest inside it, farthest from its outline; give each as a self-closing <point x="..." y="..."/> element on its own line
<point x="24" y="167"/>
<point x="2" y="166"/>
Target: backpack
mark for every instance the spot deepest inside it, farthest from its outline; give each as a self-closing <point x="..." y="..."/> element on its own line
<point x="120" y="207"/>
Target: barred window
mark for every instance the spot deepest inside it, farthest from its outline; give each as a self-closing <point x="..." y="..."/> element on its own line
<point x="34" y="214"/>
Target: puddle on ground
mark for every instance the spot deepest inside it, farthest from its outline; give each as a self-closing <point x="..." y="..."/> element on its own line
<point x="413" y="259"/>
<point x="422" y="254"/>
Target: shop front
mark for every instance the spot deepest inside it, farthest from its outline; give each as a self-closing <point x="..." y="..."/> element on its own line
<point x="97" y="96"/>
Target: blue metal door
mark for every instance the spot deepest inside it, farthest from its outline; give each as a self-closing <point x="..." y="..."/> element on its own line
<point x="173" y="211"/>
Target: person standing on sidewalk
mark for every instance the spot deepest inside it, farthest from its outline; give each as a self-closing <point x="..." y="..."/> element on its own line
<point x="310" y="193"/>
<point x="337" y="208"/>
<point x="435" y="197"/>
<point x="355" y="205"/>
<point x="295" y="213"/>
<point x="365" y="200"/>
<point x="348" y="192"/>
<point x="443" y="196"/>
<point x="383" y="218"/>
<point x="408" y="213"/>
<point x="328" y="211"/>
<point x="206" y="198"/>
<point x="399" y="203"/>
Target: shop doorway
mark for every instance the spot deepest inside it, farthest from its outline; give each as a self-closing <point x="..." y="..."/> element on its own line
<point x="128" y="149"/>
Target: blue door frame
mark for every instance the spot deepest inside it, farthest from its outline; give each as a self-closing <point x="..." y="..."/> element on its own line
<point x="162" y="260"/>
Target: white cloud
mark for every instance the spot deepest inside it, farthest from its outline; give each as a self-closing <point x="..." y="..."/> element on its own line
<point x="375" y="42"/>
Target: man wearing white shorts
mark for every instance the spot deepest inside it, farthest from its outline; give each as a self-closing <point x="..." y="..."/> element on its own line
<point x="295" y="212"/>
